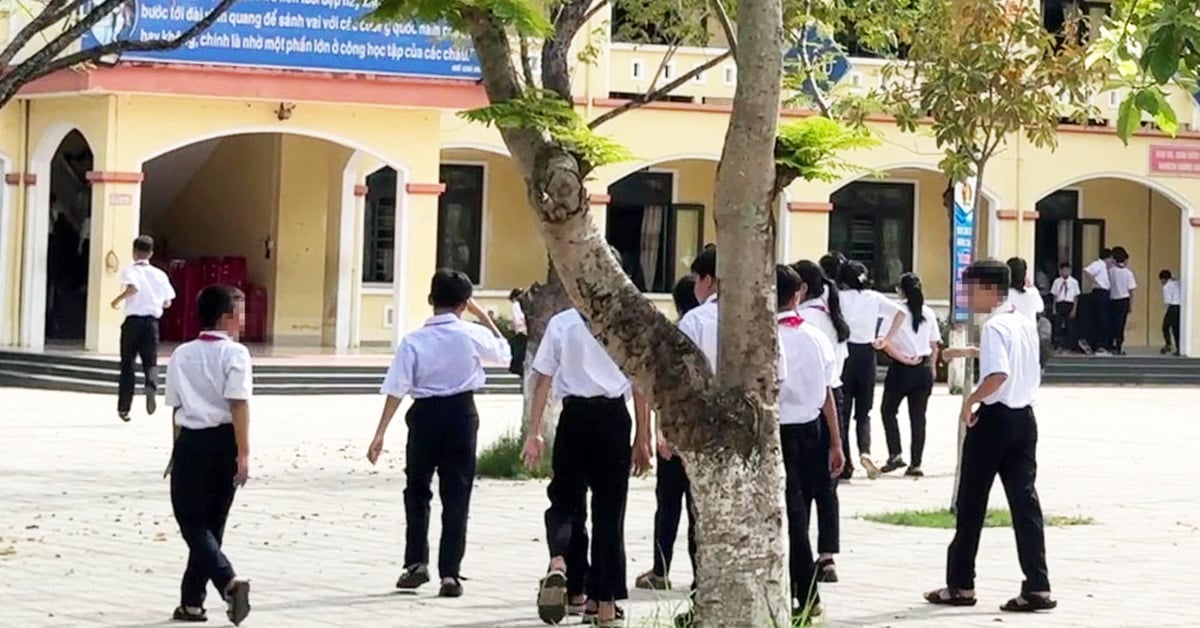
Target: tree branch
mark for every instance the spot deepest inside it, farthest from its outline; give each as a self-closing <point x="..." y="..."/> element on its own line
<point x="594" y="10"/>
<point x="662" y="65"/>
<point x="726" y="24"/>
<point x="810" y="75"/>
<point x="40" y="22"/>
<point x="556" y="72"/>
<point x="661" y="92"/>
<point x="526" y="63"/>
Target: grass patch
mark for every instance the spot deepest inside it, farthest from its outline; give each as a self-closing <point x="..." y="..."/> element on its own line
<point x="502" y="461"/>
<point x="996" y="518"/>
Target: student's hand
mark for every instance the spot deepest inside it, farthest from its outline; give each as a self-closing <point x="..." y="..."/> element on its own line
<point x="243" y="471"/>
<point x="665" y="450"/>
<point x="375" y="448"/>
<point x="535" y="447"/>
<point x="836" y="461"/>
<point x="115" y="305"/>
<point x="475" y="310"/>
<point x="967" y="415"/>
<point x="880" y="343"/>
<point x="642" y="453"/>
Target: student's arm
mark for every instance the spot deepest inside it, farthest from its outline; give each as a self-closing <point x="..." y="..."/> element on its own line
<point x="836" y="457"/>
<point x="168" y="292"/>
<point x="887" y="306"/>
<point x="396" y="384"/>
<point x="994" y="369"/>
<point x="240" y="408"/>
<point x="643" y="450"/>
<point x="239" y="384"/>
<point x="545" y="364"/>
<point x="129" y="291"/>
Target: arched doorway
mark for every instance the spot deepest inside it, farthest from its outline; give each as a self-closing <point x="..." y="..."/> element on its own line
<point x="68" y="241"/>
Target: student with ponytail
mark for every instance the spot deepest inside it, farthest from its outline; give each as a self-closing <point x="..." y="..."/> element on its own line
<point x="911" y="375"/>
<point x="863" y="309"/>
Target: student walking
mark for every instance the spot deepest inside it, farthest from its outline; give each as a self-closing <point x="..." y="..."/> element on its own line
<point x="1172" y="298"/>
<point x="1065" y="291"/>
<point x="863" y="309"/>
<point x="440" y="366"/>
<point x="209" y="383"/>
<point x="820" y="306"/>
<point x="146" y="292"/>
<point x="1122" y="286"/>
<point x="1028" y="302"/>
<point x="1100" y="329"/>
<point x="591" y="451"/>
<point x="809" y="433"/>
<point x="672" y="489"/>
<point x="910" y="376"/>
<point x="520" y="338"/>
<point x="1001" y="439"/>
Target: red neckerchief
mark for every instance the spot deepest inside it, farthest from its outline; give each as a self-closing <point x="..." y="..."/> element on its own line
<point x="210" y="337"/>
<point x="791" y="321"/>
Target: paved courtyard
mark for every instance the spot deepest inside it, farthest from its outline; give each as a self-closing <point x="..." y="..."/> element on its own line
<point x="87" y="538"/>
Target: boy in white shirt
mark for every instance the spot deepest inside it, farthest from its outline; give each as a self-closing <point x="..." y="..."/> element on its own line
<point x="209" y="383"/>
<point x="1096" y="282"/>
<point x="146" y="292"/>
<point x="1172" y="298"/>
<point x="1122" y="286"/>
<point x="440" y="366"/>
<point x="1065" y="291"/>
<point x="1001" y="439"/>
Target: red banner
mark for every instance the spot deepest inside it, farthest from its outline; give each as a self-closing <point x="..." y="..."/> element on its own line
<point x="1177" y="159"/>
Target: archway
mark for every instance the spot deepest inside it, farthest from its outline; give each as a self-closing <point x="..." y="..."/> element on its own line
<point x="68" y="241"/>
<point x="1105" y="210"/>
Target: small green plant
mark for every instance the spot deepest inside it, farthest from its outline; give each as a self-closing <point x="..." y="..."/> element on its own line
<point x="502" y="461"/>
<point x="944" y="519"/>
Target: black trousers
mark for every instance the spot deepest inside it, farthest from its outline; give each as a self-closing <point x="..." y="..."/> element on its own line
<point x="1170" y="328"/>
<point x="672" y="491"/>
<point x="441" y="438"/>
<point x="858" y="386"/>
<point x="1100" y="319"/>
<point x="1003" y="442"/>
<point x="1120" y="315"/>
<point x="202" y="490"/>
<point x="1063" y="328"/>
<point x="914" y="383"/>
<point x="806" y="465"/>
<point x="592" y="451"/>
<point x="139" y="339"/>
<point x="517" y="344"/>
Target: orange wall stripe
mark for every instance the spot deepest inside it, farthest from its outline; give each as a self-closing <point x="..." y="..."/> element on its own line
<point x="599" y="199"/>
<point x="810" y="207"/>
<point x="104" y="176"/>
<point x="1011" y="214"/>
<point x="15" y="178"/>
<point x="1195" y="222"/>
<point x="425" y="188"/>
<point x="360" y="190"/>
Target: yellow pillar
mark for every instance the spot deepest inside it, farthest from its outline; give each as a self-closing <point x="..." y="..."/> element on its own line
<point x="1191" y="290"/>
<point x="806" y="230"/>
<point x="416" y="253"/>
<point x="114" y="225"/>
<point x="1016" y="237"/>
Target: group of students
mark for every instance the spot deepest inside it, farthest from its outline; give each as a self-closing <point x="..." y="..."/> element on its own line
<point x="440" y="366"/>
<point x="1092" y="318"/>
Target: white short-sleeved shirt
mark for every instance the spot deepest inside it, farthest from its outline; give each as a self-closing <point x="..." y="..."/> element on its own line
<point x="153" y="290"/>
<point x="1009" y="344"/>
<point x="1098" y="270"/>
<point x="1065" y="289"/>
<point x="518" y="318"/>
<point x="813" y="368"/>
<point x="444" y="358"/>
<point x="1171" y="292"/>
<point x="576" y="362"/>
<point x="1122" y="281"/>
<point x="918" y="343"/>
<point x="862" y="310"/>
<point x="816" y="311"/>
<point x="1028" y="303"/>
<point x="203" y="376"/>
<point x="700" y="326"/>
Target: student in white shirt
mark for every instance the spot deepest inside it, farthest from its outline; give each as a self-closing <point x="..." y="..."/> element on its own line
<point x="1065" y="291"/>
<point x="1096" y="285"/>
<point x="591" y="451"/>
<point x="910" y="376"/>
<point x="1001" y="439"/>
<point x="146" y="292"/>
<point x="1122" y="286"/>
<point x="440" y="366"/>
<point x="520" y="338"/>
<point x="863" y="310"/>
<point x="209" y="383"/>
<point x="809" y="433"/>
<point x="1027" y="302"/>
<point x="820" y="307"/>
<point x="1172" y="298"/>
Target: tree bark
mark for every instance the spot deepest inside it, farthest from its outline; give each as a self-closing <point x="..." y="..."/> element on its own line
<point x="540" y="303"/>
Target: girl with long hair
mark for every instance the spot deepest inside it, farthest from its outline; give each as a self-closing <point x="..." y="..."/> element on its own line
<point x="863" y="309"/>
<point x="910" y="376"/>
<point x="1028" y="302"/>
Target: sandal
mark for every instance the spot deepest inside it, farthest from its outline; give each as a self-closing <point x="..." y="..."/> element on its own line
<point x="1029" y="604"/>
<point x="576" y="609"/>
<point x="552" y="597"/>
<point x="652" y="582"/>
<point x="826" y="570"/>
<point x="949" y="597"/>
<point x="183" y="614"/>
<point x="591" y="617"/>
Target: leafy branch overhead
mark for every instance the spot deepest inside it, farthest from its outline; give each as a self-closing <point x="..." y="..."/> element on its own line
<point x="813" y="149"/>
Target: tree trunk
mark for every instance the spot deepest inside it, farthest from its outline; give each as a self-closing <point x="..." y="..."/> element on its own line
<point x="970" y="338"/>
<point x="540" y="303"/>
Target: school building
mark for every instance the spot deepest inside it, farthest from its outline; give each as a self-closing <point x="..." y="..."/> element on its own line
<point x="332" y="159"/>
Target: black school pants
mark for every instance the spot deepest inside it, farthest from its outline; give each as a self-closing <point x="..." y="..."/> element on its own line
<point x="914" y="383"/>
<point x="441" y="438"/>
<point x="672" y="491"/>
<point x="139" y="339"/>
<point x="202" y="490"/>
<point x="1120" y="315"/>
<point x="1170" y="328"/>
<point x="592" y="451"/>
<point x="858" y="386"/>
<point x="1003" y="442"/>
<point x="806" y="465"/>
<point x="1063" y="337"/>
<point x="1100" y="319"/>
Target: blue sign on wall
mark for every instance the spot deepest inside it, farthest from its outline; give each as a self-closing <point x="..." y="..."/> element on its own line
<point x="964" y="249"/>
<point x="292" y="34"/>
<point x="821" y="50"/>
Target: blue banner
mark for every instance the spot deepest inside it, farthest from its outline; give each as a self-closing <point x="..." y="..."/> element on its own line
<point x="291" y="34"/>
<point x="964" y="247"/>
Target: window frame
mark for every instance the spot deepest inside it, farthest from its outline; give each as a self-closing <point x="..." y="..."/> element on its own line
<point x="670" y="219"/>
<point x="367" y="242"/>
<point x="910" y="244"/>
<point x="482" y="220"/>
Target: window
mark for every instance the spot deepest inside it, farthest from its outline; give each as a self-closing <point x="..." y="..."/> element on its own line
<point x="460" y="219"/>
<point x="699" y="78"/>
<point x="730" y="74"/>
<point x="379" y="237"/>
<point x="873" y="223"/>
<point x="635" y="69"/>
<point x="656" y="238"/>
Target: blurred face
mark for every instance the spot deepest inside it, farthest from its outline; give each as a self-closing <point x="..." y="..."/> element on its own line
<point x="705" y="287"/>
<point x="984" y="299"/>
<point x="1064" y="272"/>
<point x="234" y="322"/>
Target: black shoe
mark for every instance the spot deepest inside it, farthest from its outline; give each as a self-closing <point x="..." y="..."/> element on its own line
<point x="151" y="402"/>
<point x="182" y="614"/>
<point x="451" y="589"/>
<point x="914" y="472"/>
<point x="847" y="472"/>
<point x="237" y="602"/>
<point x="1165" y="351"/>
<point x="826" y="571"/>
<point x="893" y="463"/>
<point x="413" y="577"/>
<point x="124" y="416"/>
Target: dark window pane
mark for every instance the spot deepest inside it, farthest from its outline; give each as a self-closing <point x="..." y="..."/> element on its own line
<point x="379" y="226"/>
<point x="460" y="219"/>
<point x="872" y="222"/>
<point x="655" y="237"/>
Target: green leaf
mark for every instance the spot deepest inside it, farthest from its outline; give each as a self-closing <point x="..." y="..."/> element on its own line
<point x="1129" y="119"/>
<point x="1164" y="116"/>
<point x="1162" y="56"/>
<point x="1148" y="100"/>
<point x="811" y="148"/>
